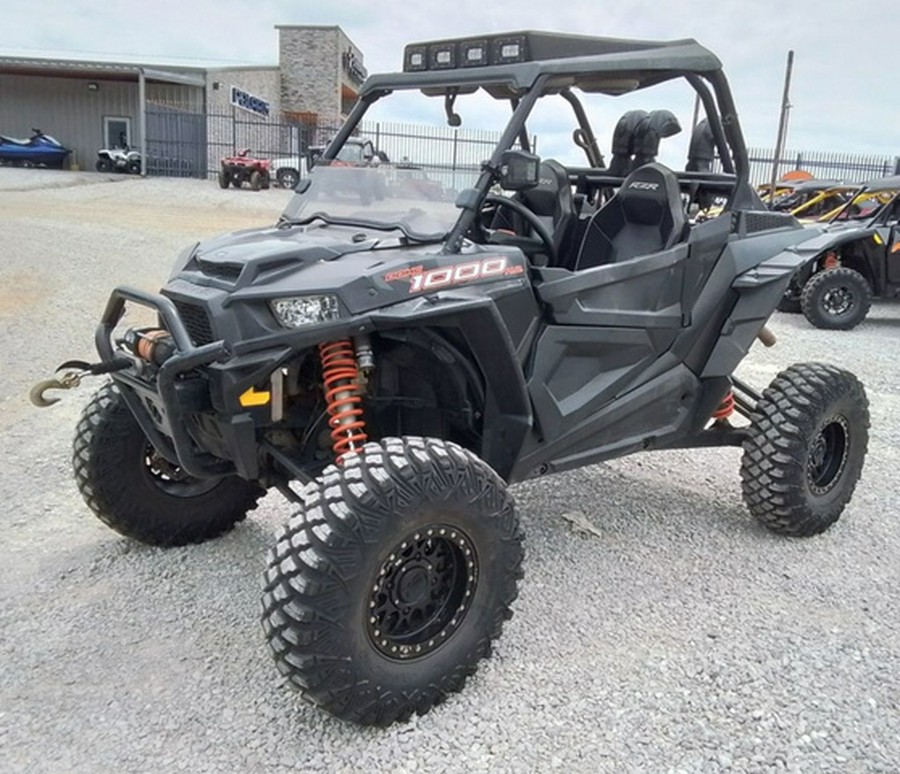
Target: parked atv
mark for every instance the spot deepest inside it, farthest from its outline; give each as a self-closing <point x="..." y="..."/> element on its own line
<point x="39" y="150"/>
<point x="857" y="257"/>
<point x="392" y="365"/>
<point x="124" y="160"/>
<point x="244" y="168"/>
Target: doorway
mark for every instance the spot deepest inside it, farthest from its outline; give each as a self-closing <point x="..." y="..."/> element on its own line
<point x="116" y="132"/>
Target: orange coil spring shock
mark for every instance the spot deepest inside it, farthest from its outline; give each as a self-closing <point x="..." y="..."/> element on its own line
<point x="726" y="407"/>
<point x="343" y="396"/>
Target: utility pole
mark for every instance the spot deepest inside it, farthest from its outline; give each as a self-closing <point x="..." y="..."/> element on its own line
<point x="782" y="123"/>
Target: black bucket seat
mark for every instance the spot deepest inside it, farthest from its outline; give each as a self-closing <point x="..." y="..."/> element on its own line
<point x="645" y="216"/>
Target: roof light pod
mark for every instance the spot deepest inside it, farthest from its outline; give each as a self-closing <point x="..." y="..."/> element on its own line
<point x="473" y="53"/>
<point x="442" y="56"/>
<point x="507" y="50"/>
<point x="415" y="59"/>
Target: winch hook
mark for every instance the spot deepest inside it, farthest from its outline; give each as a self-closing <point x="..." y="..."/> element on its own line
<point x="66" y="381"/>
<point x="78" y="369"/>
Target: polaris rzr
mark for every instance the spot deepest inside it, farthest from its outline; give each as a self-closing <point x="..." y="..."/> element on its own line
<point x="391" y="365"/>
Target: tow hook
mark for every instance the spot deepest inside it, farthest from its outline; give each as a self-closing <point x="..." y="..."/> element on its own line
<point x="76" y="371"/>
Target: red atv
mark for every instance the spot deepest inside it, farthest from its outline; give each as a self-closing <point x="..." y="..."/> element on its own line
<point x="244" y="168"/>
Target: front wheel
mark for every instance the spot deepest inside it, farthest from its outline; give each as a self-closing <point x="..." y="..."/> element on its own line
<point x="103" y="165"/>
<point x="836" y="299"/>
<point x="140" y="494"/>
<point x="805" y="450"/>
<point x="387" y="588"/>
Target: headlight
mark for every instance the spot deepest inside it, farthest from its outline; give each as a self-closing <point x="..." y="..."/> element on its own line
<point x="305" y="310"/>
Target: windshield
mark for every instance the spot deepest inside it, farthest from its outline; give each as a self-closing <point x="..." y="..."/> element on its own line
<point x="403" y="166"/>
<point x="417" y="200"/>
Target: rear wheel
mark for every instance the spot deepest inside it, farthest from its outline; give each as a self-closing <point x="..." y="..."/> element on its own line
<point x="836" y="299"/>
<point x="140" y="494"/>
<point x="390" y="585"/>
<point x="805" y="451"/>
<point x="223" y="179"/>
<point x="103" y="165"/>
<point x="255" y="180"/>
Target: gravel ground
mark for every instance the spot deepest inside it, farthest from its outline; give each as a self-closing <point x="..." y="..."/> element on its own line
<point x="681" y="637"/>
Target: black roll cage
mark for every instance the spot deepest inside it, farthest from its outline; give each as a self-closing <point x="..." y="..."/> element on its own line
<point x="524" y="83"/>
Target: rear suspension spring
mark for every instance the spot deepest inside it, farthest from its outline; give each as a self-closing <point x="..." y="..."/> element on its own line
<point x="726" y="407"/>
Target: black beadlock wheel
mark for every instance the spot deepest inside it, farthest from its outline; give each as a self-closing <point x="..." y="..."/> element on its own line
<point x="140" y="494"/>
<point x="391" y="583"/>
<point x="805" y="451"/>
<point x="836" y="299"/>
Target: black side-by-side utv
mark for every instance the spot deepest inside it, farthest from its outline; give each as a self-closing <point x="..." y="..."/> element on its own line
<point x="392" y="364"/>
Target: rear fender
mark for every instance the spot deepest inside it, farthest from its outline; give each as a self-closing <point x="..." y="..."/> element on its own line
<point x="758" y="292"/>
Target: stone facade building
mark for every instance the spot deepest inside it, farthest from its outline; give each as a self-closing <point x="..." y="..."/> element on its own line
<point x="321" y="72"/>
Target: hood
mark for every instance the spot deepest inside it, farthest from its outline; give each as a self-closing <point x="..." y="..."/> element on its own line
<point x="256" y="250"/>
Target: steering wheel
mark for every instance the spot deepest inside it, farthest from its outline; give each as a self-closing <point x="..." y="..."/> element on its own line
<point x="545" y="237"/>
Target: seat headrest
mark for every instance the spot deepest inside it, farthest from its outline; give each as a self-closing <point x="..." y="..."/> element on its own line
<point x="648" y="193"/>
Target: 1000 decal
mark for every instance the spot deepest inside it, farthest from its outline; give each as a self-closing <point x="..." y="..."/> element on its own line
<point x="433" y="279"/>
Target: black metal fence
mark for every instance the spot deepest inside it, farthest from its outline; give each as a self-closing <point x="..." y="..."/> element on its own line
<point x="845" y="167"/>
<point x="185" y="144"/>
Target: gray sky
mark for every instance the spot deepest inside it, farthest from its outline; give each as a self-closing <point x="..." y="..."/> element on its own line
<point x="844" y="94"/>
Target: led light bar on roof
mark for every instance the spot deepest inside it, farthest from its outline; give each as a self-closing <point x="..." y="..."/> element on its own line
<point x="479" y="52"/>
<point x="512" y="47"/>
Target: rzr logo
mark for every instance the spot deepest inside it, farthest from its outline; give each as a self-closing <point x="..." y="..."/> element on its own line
<point x="644" y="186"/>
<point x="461" y="273"/>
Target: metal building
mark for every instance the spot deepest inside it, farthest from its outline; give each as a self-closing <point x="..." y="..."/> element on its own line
<point x="170" y="111"/>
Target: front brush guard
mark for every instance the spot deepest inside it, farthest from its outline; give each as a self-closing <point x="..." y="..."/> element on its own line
<point x="179" y="447"/>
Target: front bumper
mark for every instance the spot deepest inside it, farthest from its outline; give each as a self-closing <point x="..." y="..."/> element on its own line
<point x="164" y="401"/>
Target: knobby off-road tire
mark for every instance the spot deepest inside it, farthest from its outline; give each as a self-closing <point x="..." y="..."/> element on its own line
<point x="804" y="454"/>
<point x="223" y="179"/>
<point x="387" y="588"/>
<point x="142" y="496"/>
<point x="836" y="299"/>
